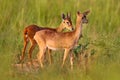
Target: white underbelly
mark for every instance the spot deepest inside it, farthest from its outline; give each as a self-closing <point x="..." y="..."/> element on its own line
<point x="53" y="48"/>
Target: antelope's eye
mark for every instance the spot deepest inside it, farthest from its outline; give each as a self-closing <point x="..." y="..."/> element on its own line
<point x="67" y="22"/>
<point x="83" y="17"/>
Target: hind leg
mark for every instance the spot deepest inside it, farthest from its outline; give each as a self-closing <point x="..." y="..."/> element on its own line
<point x="24" y="48"/>
<point x="41" y="55"/>
<point x="33" y="44"/>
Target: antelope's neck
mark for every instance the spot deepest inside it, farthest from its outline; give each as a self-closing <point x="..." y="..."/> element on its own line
<point x="78" y="29"/>
<point x="59" y="28"/>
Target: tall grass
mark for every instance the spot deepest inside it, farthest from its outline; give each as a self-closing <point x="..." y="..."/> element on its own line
<point x="102" y="32"/>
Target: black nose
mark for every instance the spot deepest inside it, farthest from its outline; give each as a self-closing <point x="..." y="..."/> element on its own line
<point x="72" y="28"/>
<point x="86" y="21"/>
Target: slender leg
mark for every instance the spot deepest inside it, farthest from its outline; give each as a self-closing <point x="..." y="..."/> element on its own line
<point x="25" y="45"/>
<point x="40" y="56"/>
<point x="33" y="44"/>
<point x="50" y="56"/>
<point x="42" y="49"/>
<point x="71" y="60"/>
<point x="65" y="56"/>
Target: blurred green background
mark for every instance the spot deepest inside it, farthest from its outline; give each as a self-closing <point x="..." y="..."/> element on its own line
<point x="102" y="32"/>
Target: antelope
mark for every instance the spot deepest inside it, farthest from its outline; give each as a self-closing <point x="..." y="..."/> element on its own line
<point x="30" y="31"/>
<point x="57" y="40"/>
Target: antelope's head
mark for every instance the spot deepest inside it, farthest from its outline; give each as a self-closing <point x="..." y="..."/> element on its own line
<point x="82" y="16"/>
<point x="66" y="22"/>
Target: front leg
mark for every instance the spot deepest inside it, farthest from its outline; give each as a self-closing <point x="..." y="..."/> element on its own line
<point x="65" y="56"/>
<point x="71" y="59"/>
<point x="50" y="56"/>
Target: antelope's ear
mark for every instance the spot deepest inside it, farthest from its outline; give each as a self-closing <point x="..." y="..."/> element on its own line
<point x="68" y="15"/>
<point x="63" y="16"/>
<point x="78" y="12"/>
<point x="86" y="12"/>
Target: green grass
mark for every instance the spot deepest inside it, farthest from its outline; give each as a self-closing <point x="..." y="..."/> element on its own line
<point x="102" y="32"/>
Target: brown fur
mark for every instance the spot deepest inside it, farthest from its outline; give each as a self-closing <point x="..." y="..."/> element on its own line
<point x="56" y="40"/>
<point x="30" y="31"/>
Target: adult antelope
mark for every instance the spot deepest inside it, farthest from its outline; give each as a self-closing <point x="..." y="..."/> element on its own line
<point x="30" y="31"/>
<point x="57" y="40"/>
